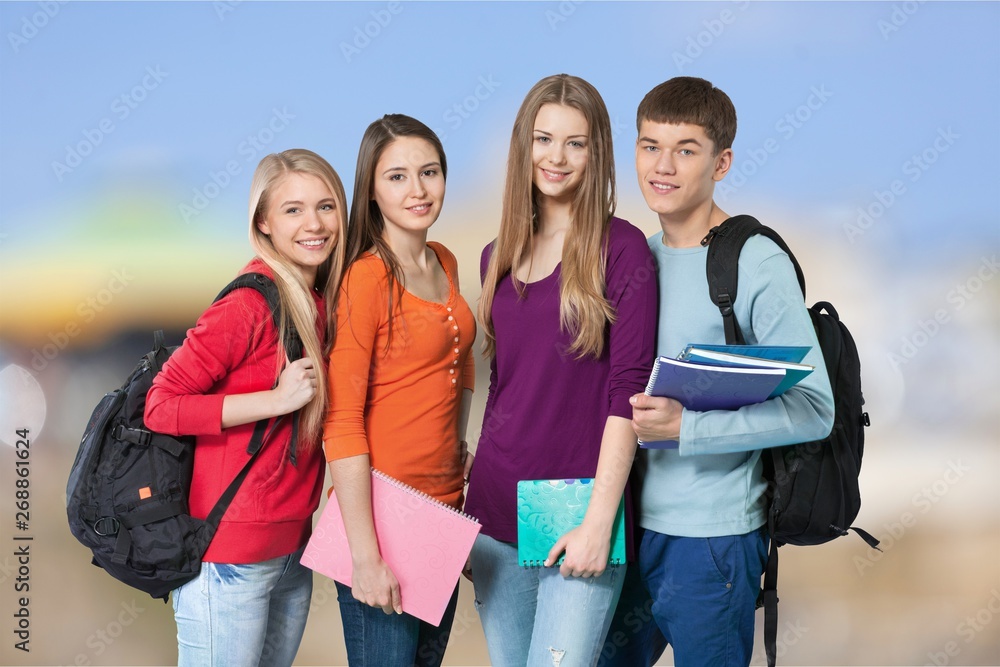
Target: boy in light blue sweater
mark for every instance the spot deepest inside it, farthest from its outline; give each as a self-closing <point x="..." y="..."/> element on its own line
<point x="703" y="510"/>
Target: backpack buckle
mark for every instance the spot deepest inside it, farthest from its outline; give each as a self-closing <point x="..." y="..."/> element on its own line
<point x="725" y="303"/>
<point x="136" y="436"/>
<point x="106" y="526"/>
<point x="718" y="230"/>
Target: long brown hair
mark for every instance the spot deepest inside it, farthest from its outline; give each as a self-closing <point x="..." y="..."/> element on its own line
<point x="584" y="310"/>
<point x="366" y="227"/>
<point x="297" y="305"/>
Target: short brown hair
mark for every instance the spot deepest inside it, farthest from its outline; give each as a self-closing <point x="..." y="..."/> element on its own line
<point x="688" y="99"/>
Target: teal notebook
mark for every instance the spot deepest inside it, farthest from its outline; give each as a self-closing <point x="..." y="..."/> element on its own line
<point x="549" y="508"/>
<point x="793" y="354"/>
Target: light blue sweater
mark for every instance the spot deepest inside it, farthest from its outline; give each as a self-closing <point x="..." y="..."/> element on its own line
<point x="712" y="485"/>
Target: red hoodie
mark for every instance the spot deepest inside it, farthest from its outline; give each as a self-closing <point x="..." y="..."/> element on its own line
<point x="233" y="350"/>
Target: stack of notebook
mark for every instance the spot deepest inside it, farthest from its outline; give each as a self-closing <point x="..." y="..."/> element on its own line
<point x="725" y="377"/>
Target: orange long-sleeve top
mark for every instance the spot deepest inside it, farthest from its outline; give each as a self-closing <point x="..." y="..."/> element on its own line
<point x="400" y="405"/>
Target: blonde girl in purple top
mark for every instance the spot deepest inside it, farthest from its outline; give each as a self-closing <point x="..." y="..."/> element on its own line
<point x="569" y="311"/>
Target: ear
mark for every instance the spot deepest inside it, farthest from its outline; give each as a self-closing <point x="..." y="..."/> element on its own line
<point x="263" y="227"/>
<point x="723" y="161"/>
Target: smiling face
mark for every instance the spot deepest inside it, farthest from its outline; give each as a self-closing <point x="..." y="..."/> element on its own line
<point x="409" y="184"/>
<point x="302" y="221"/>
<point x="677" y="169"/>
<point x="559" y="151"/>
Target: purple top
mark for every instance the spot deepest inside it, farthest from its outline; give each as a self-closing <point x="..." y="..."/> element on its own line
<point x="546" y="410"/>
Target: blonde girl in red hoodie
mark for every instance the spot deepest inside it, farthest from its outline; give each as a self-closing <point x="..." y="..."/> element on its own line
<point x="248" y="605"/>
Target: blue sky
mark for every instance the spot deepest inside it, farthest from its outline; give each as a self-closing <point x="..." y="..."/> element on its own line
<point x="200" y="79"/>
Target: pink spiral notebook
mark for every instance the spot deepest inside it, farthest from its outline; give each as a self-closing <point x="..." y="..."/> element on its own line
<point x="423" y="541"/>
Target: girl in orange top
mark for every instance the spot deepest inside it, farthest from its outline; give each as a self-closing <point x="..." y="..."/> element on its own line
<point x="401" y="377"/>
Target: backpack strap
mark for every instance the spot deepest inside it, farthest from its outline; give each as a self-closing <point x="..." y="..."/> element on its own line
<point x="260" y="435"/>
<point x="292" y="343"/>
<point x="269" y="290"/>
<point x="725" y="243"/>
<point x="769" y="597"/>
<point x="293" y="350"/>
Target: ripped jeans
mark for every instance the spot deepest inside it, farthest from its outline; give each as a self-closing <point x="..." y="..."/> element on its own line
<point x="535" y="616"/>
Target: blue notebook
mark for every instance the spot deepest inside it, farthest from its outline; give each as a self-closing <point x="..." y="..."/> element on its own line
<point x="794" y="372"/>
<point x="549" y="508"/>
<point x="701" y="387"/>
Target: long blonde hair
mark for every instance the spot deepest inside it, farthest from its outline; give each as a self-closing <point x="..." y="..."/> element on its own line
<point x="297" y="305"/>
<point x="584" y="310"/>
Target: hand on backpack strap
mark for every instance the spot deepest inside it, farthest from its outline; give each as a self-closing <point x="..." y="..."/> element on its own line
<point x="296" y="386"/>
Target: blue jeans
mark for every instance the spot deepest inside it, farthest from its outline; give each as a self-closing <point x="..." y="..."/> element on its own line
<point x="701" y="592"/>
<point x="633" y="639"/>
<point x="243" y="615"/>
<point x="535" y="616"/>
<point x="377" y="639"/>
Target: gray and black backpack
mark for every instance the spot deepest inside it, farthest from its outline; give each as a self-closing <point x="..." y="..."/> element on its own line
<point x="127" y="495"/>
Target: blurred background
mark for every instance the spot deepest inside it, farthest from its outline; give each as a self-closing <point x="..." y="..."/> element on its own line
<point x="868" y="137"/>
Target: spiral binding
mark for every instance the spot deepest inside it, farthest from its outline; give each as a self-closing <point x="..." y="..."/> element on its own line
<point x="652" y="383"/>
<point x="652" y="378"/>
<point x="403" y="486"/>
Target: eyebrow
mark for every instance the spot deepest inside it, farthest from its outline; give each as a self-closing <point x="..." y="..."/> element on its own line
<point x="422" y="167"/>
<point x="299" y="203"/>
<point x="572" y="136"/>
<point x="682" y="142"/>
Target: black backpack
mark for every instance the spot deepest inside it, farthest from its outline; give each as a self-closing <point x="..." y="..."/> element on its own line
<point x="127" y="495"/>
<point x="813" y="489"/>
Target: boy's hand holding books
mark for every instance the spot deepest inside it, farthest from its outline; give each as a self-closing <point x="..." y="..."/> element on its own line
<point x="656" y="419"/>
